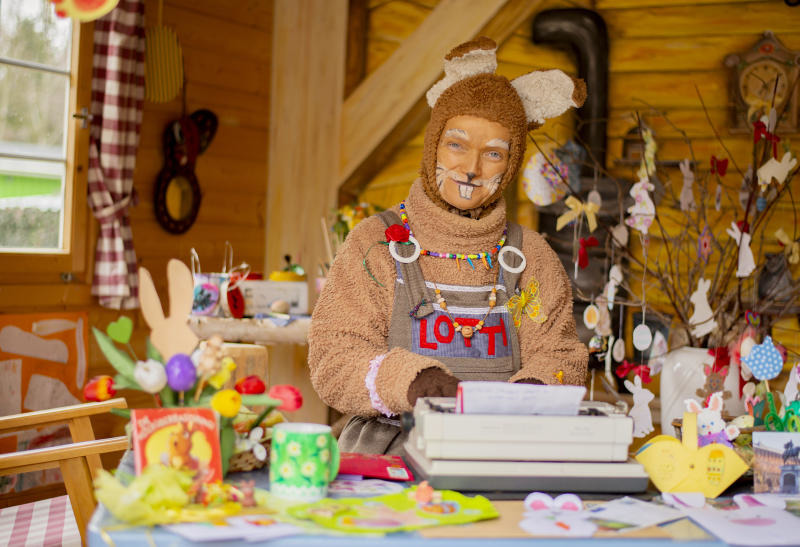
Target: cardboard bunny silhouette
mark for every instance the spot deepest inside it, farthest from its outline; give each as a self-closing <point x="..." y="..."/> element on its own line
<point x="702" y="320"/>
<point x="640" y="412"/>
<point x="746" y="261"/>
<point x="687" y="197"/>
<point x="643" y="211"/>
<point x="169" y="334"/>
<point x="774" y="169"/>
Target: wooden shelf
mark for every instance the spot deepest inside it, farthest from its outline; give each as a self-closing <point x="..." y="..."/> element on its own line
<point x="257" y="331"/>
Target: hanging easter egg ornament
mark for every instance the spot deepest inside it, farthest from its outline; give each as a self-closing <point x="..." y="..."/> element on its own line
<point x="591" y="316"/>
<point x="594" y="197"/>
<point x="83" y="10"/>
<point x="642" y="337"/>
<point x="618" y="351"/>
<point x="620" y="235"/>
<point x="206" y="298"/>
<point x="542" y="184"/>
<point x="764" y="360"/>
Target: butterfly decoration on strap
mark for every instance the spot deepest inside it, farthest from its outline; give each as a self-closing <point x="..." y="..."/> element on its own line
<point x="527" y="302"/>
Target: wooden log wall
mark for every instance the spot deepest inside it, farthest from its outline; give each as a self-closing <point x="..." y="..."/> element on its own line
<point x="664" y="55"/>
<point x="226" y="51"/>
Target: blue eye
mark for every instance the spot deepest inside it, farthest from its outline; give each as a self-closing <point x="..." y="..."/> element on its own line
<point x="493" y="154"/>
<point x="454" y="145"/>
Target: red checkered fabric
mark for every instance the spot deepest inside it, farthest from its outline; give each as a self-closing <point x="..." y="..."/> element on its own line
<point x="117" y="97"/>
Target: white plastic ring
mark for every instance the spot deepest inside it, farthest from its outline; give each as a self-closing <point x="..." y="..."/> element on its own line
<point x="404" y="260"/>
<point x="517" y="252"/>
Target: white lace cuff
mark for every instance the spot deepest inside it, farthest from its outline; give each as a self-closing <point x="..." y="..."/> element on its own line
<point x="369" y="381"/>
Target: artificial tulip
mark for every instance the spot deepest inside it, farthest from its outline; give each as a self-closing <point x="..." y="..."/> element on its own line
<point x="150" y="375"/>
<point x="290" y="395"/>
<point x="227" y="402"/>
<point x="250" y="385"/>
<point x="99" y="388"/>
<point x="181" y="374"/>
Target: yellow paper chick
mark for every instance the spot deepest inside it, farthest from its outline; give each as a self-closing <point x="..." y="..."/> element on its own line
<point x="221" y="378"/>
<point x="676" y="466"/>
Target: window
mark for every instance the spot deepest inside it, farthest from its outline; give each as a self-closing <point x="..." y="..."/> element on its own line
<point x="45" y="78"/>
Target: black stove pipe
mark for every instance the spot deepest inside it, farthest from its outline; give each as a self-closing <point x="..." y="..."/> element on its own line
<point x="584" y="33"/>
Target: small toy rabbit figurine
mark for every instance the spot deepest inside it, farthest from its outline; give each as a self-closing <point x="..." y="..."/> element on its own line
<point x="702" y="320"/>
<point x="687" y="197"/>
<point x="640" y="412"/>
<point x="643" y="211"/>
<point x="711" y="427"/>
<point x="746" y="262"/>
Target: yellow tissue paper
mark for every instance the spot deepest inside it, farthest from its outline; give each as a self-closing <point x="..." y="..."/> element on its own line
<point x="680" y="466"/>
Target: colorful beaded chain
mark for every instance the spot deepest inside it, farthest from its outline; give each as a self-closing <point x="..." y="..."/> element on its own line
<point x="486" y="257"/>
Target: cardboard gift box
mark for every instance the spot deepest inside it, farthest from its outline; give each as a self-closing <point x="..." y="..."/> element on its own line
<point x="260" y="294"/>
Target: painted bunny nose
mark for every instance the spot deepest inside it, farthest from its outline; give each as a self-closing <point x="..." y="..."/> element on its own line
<point x="471" y="176"/>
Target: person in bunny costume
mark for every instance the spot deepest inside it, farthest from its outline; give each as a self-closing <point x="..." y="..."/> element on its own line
<point x="410" y="319"/>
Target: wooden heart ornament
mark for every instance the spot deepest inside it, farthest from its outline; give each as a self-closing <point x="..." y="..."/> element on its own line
<point x="680" y="466"/>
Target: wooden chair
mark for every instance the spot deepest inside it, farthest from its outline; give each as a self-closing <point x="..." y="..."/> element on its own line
<point x="79" y="461"/>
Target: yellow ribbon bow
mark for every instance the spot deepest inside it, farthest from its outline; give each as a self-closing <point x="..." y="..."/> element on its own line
<point x="577" y="207"/>
<point x="791" y="248"/>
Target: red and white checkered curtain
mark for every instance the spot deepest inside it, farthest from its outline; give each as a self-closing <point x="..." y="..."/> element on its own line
<point x="117" y="97"/>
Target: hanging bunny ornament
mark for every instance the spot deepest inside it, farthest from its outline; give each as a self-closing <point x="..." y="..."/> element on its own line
<point x="746" y="261"/>
<point x="643" y="211"/>
<point x="702" y="320"/>
<point x="640" y="412"/>
<point x="790" y="392"/>
<point x="775" y="169"/>
<point x="687" y="197"/>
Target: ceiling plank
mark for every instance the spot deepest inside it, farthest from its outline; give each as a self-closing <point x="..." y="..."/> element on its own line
<point x="395" y="124"/>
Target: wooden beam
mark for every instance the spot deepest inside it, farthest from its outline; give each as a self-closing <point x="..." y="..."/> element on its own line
<point x="399" y="122"/>
<point x="307" y="82"/>
<point x="357" y="25"/>
<point x="60" y="415"/>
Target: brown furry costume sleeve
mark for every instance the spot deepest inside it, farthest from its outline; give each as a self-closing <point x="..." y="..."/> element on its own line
<point x="349" y="327"/>
<point x="552" y="346"/>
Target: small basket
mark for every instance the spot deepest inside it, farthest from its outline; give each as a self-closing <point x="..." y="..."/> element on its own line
<point x="246" y="461"/>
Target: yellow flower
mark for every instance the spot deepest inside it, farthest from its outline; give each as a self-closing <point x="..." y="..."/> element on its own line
<point x="308" y="469"/>
<point x="325" y="455"/>
<point x="286" y="471"/>
<point x="227" y="402"/>
<point x="294" y="448"/>
<point x="280" y="436"/>
<point x="322" y="440"/>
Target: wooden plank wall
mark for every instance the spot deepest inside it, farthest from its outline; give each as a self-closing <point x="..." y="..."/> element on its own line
<point x="226" y="50"/>
<point x="659" y="51"/>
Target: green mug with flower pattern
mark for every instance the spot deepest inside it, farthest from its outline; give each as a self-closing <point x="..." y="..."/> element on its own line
<point x="304" y="459"/>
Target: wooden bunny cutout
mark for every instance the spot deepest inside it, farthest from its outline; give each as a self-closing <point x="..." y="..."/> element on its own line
<point x="746" y="261"/>
<point x="643" y="211"/>
<point x="775" y="169"/>
<point x="687" y="197"/>
<point x="640" y="412"/>
<point x="170" y="334"/>
<point x="702" y="320"/>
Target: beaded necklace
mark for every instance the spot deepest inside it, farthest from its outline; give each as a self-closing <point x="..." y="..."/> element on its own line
<point x="485" y="257"/>
<point x="466" y="330"/>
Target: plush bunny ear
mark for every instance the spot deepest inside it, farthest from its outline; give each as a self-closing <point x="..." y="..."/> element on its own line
<point x="693" y="406"/>
<point x="469" y="59"/>
<point x="547" y="94"/>
<point x="715" y="402"/>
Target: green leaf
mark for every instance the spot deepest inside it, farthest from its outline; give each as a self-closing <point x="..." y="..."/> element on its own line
<point x="260" y="400"/>
<point x="227" y="440"/>
<point x="167" y="397"/>
<point x="152" y="352"/>
<point x="118" y="358"/>
<point x="124" y="412"/>
<point x="123" y="382"/>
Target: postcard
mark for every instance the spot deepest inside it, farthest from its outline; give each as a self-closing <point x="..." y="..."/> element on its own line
<point x="776" y="462"/>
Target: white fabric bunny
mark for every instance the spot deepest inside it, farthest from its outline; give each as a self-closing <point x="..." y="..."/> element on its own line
<point x="702" y="320"/>
<point x="746" y="261"/>
<point x="687" y="197"/>
<point x="640" y="412"/>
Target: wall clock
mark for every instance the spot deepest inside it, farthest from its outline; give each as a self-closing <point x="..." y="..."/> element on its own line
<point x="763" y="76"/>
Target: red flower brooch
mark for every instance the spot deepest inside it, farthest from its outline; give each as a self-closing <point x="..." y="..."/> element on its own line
<point x="396" y="232"/>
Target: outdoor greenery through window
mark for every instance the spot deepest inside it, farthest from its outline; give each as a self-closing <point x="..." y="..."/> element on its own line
<point x="34" y="109"/>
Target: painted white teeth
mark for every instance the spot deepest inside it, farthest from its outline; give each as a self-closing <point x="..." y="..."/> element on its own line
<point x="465" y="191"/>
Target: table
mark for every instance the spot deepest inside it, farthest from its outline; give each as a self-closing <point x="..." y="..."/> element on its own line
<point x="500" y="531"/>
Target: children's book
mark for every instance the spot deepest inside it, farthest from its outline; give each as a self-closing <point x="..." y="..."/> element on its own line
<point x="379" y="466"/>
<point x="181" y="438"/>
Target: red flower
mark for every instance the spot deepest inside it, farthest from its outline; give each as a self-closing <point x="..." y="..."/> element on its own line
<point x="99" y="388"/>
<point x="395" y="232"/>
<point x="290" y="395"/>
<point x="250" y="385"/>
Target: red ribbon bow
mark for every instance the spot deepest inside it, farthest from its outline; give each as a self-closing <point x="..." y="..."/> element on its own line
<point x="643" y="371"/>
<point x="719" y="166"/>
<point x="583" y="254"/>
<point x="760" y="132"/>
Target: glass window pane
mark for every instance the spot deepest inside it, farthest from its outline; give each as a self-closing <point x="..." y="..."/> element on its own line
<point x="31" y="204"/>
<point x="31" y="31"/>
<point x="33" y="109"/>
